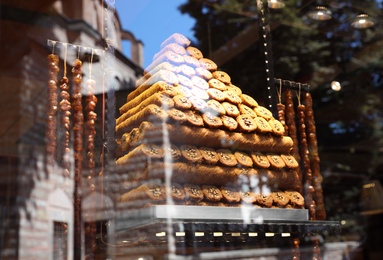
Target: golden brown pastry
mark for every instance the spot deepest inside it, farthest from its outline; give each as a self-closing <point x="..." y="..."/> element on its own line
<point x="289" y="161"/>
<point x="211" y="193"/>
<point x="246" y="123"/>
<point x="194" y="118"/>
<point x="176" y="115"/>
<point x="158" y="99"/>
<point x="191" y="153"/>
<point x="229" y="123"/>
<point x="211" y="120"/>
<point x="234" y="88"/>
<point x="141" y="154"/>
<point x="177" y="192"/>
<point x="230" y="194"/>
<point x="262" y="125"/>
<point x="209" y="155"/>
<point x="215" y="83"/>
<point x="193" y="192"/>
<point x="275" y="161"/>
<point x="151" y="113"/>
<point x="280" y="198"/>
<point x="243" y="159"/>
<point x="264" y="200"/>
<point x="222" y="76"/>
<point x="159" y="87"/>
<point x="277" y="127"/>
<point x="216" y="138"/>
<point x="214" y="107"/>
<point x="233" y="97"/>
<point x="162" y="75"/>
<point x="181" y="102"/>
<point x="248" y="197"/>
<point x="260" y="160"/>
<point x="144" y="192"/>
<point x="296" y="199"/>
<point x="226" y="157"/>
<point x="173" y="152"/>
<point x="208" y="64"/>
<point x="231" y="110"/>
<point x="244" y="109"/>
<point x="263" y="112"/>
<point x="248" y="101"/>
<point x="194" y="52"/>
<point x="216" y="94"/>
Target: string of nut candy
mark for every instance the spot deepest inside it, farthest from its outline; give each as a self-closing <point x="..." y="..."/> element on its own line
<point x="73" y="103"/>
<point x="51" y="145"/>
<point x="305" y="150"/>
<point x="91" y="116"/>
<point x="65" y="107"/>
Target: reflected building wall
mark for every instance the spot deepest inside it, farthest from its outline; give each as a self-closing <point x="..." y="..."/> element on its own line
<point x="36" y="198"/>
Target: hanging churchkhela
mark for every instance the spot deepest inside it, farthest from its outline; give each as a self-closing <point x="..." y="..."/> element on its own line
<point x="292" y="129"/>
<point x="51" y="136"/>
<point x="306" y="170"/>
<point x="91" y="117"/>
<point x="78" y="122"/>
<point x="281" y="110"/>
<point x="314" y="158"/>
<point x="65" y="107"/>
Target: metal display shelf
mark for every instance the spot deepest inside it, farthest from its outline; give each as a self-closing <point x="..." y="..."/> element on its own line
<point x="197" y="229"/>
<point x="137" y="217"/>
<point x="231" y="219"/>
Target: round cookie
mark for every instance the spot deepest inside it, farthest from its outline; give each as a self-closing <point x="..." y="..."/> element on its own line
<point x="215" y="83"/>
<point x="243" y="159"/>
<point x="226" y="157"/>
<point x="209" y="155"/>
<point x="222" y="76"/>
<point x="231" y="110"/>
<point x="216" y="94"/>
<point x="182" y="102"/>
<point x="194" y="52"/>
<point x="191" y="153"/>
<point x="212" y="120"/>
<point x="208" y="64"/>
<point x="248" y="100"/>
<point x="229" y="123"/>
<point x="280" y="198"/>
<point x="194" y="118"/>
<point x="246" y="123"/>
<point x="263" y="112"/>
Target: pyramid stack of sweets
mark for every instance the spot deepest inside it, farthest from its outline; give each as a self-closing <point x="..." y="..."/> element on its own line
<point x="188" y="123"/>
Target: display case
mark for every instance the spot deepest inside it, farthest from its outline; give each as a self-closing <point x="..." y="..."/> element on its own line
<point x="223" y="144"/>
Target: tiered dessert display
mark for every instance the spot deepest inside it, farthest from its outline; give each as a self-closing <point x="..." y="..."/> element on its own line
<point x="188" y="136"/>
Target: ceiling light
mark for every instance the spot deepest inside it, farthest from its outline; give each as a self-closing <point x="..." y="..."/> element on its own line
<point x="362" y="21"/>
<point x="335" y="85"/>
<point x="275" y="4"/>
<point x="320" y="13"/>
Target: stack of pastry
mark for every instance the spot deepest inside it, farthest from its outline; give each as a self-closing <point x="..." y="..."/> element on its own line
<point x="189" y="136"/>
